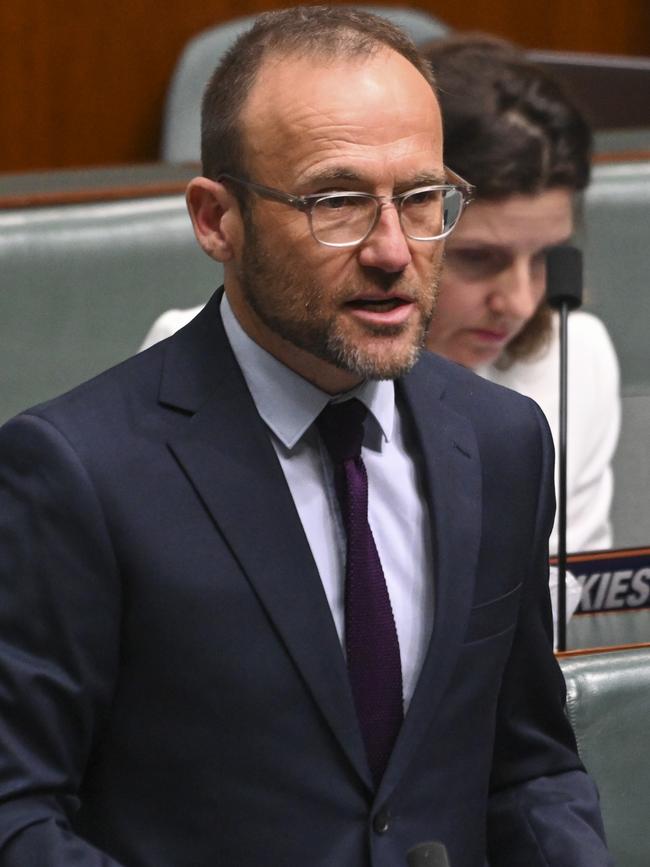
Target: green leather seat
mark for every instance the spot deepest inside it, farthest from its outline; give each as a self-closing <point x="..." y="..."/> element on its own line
<point x="616" y="234"/>
<point x="618" y="141"/>
<point x="616" y="238"/>
<point x="608" y="702"/>
<point x="81" y="284"/>
<point x="608" y="629"/>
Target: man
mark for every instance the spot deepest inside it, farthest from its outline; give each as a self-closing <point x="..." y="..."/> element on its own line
<point x="183" y="683"/>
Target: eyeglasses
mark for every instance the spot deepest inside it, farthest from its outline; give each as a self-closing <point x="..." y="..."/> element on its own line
<point x="345" y="219"/>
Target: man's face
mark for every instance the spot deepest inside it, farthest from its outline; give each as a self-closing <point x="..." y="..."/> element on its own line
<point x="337" y="315"/>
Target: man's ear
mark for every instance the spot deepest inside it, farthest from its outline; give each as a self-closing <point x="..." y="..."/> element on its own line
<point x="215" y="217"/>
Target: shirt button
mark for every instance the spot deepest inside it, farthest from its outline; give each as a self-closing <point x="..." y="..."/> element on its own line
<point x="381" y="822"/>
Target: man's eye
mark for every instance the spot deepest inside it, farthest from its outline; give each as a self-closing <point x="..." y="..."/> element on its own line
<point x="337" y="203"/>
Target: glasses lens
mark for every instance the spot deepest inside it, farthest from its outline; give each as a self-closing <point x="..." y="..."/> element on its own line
<point x="341" y="219"/>
<point x="431" y="213"/>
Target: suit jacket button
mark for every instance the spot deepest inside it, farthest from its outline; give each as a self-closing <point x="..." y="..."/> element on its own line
<point x="381" y="822"/>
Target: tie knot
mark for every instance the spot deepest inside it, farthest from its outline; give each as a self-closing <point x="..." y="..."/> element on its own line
<point x="341" y="428"/>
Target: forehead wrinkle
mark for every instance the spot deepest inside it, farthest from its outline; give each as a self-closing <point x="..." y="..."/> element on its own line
<point x="323" y="161"/>
<point x="275" y="132"/>
<point x="326" y="174"/>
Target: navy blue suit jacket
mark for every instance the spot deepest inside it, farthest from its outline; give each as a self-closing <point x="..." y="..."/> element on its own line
<point x="172" y="689"/>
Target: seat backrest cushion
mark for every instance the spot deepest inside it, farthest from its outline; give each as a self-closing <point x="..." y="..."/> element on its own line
<point x="631" y="503"/>
<point x="615" y="233"/>
<point x="608" y="702"/>
<point x="616" y="230"/>
<point x="81" y="284"/>
<point x="618" y="141"/>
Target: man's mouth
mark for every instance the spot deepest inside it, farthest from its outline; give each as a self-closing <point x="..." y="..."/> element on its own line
<point x="378" y="305"/>
<point x="383" y="313"/>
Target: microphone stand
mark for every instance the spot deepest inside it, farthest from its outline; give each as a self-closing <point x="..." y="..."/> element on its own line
<point x="562" y="479"/>
<point x="563" y="293"/>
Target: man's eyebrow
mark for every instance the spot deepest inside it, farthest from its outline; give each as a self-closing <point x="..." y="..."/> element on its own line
<point x="426" y="179"/>
<point x="331" y="176"/>
<point x="336" y="175"/>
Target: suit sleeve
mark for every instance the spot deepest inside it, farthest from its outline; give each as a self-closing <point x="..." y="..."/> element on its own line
<point x="59" y="641"/>
<point x="543" y="808"/>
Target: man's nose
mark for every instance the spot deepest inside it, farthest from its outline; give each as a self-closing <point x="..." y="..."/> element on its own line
<point x="517" y="293"/>
<point x="386" y="247"/>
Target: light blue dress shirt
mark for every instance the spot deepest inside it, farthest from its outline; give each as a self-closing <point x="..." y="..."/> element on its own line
<point x="397" y="509"/>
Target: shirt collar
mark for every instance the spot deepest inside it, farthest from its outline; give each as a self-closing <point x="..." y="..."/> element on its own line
<point x="287" y="402"/>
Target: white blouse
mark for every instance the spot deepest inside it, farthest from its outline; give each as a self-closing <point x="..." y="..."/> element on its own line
<point x="593" y="422"/>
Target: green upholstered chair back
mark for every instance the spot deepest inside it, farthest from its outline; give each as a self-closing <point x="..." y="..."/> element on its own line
<point x="81" y="284"/>
<point x="618" y="141"/>
<point x="631" y="504"/>
<point x="616" y="237"/>
<point x="617" y="254"/>
<point x="608" y="702"/>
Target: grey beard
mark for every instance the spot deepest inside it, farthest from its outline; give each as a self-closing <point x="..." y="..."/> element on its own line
<point x="302" y="325"/>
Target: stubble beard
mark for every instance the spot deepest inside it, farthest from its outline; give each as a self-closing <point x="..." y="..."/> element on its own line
<point x="298" y="315"/>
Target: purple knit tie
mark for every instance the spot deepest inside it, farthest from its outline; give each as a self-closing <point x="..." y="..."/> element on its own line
<point x="370" y="635"/>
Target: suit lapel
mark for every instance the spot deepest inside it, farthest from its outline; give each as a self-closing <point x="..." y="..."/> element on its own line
<point x="453" y="480"/>
<point x="226" y="453"/>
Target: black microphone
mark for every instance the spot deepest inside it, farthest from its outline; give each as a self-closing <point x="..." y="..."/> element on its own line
<point x="564" y="277"/>
<point x="563" y="293"/>
<point x="431" y="854"/>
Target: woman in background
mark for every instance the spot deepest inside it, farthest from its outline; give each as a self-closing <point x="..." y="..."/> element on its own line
<point x="510" y="130"/>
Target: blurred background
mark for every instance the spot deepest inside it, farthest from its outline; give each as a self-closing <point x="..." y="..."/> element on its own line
<point x="83" y="82"/>
<point x="99" y="136"/>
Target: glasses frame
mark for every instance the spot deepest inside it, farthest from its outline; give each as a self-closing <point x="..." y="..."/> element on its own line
<point x="306" y="204"/>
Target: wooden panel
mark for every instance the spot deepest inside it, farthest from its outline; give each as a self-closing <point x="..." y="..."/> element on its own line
<point x="78" y="87"/>
<point x="569" y="25"/>
<point x="84" y="83"/>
